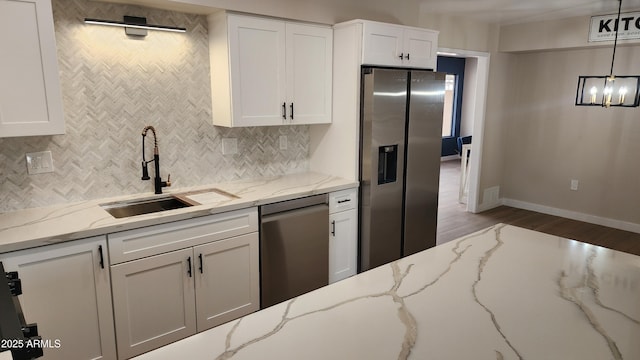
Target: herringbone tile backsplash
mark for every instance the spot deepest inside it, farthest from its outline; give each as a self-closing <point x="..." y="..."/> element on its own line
<point x="112" y="87"/>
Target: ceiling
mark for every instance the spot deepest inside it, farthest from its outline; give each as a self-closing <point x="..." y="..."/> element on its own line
<point x="490" y="11"/>
<point x="521" y="11"/>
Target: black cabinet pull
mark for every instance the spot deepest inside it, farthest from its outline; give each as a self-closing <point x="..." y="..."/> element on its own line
<point x="343" y="201"/>
<point x="284" y="111"/>
<point x="407" y="56"/>
<point x="200" y="257"/>
<point x="291" y="111"/>
<point x="333" y="228"/>
<point x="101" y="256"/>
<point x="401" y="56"/>
<point x="189" y="266"/>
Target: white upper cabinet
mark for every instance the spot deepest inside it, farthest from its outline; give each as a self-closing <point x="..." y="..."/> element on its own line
<point x="395" y="45"/>
<point x="269" y="72"/>
<point x="383" y="44"/>
<point x="257" y="74"/>
<point x="421" y="48"/>
<point x="30" y="97"/>
<point x="309" y="73"/>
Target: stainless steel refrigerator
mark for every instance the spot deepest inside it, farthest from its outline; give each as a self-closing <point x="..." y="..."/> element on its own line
<point x="400" y="145"/>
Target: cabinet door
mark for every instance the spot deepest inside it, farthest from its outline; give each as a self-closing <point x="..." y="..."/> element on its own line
<point x="420" y="48"/>
<point x="309" y="73"/>
<point x="343" y="245"/>
<point x="257" y="61"/>
<point x="30" y="97"/>
<point x="66" y="291"/>
<point x="227" y="280"/>
<point x="383" y="44"/>
<point x="153" y="301"/>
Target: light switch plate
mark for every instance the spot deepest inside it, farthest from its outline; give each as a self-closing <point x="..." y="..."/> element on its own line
<point x="229" y="146"/>
<point x="574" y="185"/>
<point x="39" y="162"/>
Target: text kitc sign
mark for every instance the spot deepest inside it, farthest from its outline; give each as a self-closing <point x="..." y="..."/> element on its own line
<point x="603" y="28"/>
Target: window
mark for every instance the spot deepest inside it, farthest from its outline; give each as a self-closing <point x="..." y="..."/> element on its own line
<point x="449" y="103"/>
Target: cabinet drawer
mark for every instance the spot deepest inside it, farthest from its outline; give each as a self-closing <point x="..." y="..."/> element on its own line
<point x="343" y="200"/>
<point x="153" y="240"/>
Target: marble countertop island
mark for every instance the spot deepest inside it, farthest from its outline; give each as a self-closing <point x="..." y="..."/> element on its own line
<point x="501" y="293"/>
<point x="49" y="225"/>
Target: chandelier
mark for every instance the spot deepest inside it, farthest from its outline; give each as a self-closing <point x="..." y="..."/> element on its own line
<point x="609" y="90"/>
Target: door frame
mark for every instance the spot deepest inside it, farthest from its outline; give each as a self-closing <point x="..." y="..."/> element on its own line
<point x="476" y="86"/>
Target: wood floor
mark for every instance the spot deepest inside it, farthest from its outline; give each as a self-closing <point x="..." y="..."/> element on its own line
<point x="454" y="221"/>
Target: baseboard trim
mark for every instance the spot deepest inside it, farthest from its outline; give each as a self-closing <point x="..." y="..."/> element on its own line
<point x="484" y="207"/>
<point x="598" y="220"/>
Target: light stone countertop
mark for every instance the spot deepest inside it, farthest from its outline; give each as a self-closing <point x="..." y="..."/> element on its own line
<point x="48" y="225"/>
<point x="501" y="293"/>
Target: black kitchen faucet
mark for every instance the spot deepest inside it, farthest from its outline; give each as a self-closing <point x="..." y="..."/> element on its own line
<point x="158" y="183"/>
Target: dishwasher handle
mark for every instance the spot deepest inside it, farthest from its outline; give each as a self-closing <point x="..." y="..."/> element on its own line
<point x="284" y="206"/>
<point x="283" y="215"/>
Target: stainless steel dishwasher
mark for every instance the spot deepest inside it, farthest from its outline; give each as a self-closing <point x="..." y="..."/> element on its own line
<point x="294" y="248"/>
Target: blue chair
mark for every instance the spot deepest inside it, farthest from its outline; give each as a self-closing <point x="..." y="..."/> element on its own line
<point x="461" y="141"/>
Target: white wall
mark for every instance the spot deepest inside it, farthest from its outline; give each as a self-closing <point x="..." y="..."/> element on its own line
<point x="571" y="33"/>
<point x="549" y="141"/>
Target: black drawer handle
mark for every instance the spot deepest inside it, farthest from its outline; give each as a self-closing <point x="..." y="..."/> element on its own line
<point x="333" y="228"/>
<point x="343" y="201"/>
<point x="200" y="257"/>
<point x="291" y="111"/>
<point x="284" y="111"/>
<point x="189" y="267"/>
<point x="101" y="256"/>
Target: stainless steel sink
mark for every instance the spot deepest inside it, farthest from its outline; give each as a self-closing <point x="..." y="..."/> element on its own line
<point x="143" y="206"/>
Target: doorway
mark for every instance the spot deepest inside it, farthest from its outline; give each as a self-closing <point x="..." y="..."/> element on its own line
<point x="473" y="114"/>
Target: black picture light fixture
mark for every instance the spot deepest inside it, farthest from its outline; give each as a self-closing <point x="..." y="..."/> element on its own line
<point x="134" y="25"/>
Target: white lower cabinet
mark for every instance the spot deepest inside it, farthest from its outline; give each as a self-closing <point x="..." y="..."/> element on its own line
<point x="226" y="279"/>
<point x="343" y="234"/>
<point x="66" y="291"/>
<point x="161" y="298"/>
<point x="153" y="302"/>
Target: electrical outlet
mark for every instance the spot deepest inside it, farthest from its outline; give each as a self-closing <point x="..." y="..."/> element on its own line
<point x="229" y="146"/>
<point x="574" y="185"/>
<point x="39" y="162"/>
<point x="283" y="142"/>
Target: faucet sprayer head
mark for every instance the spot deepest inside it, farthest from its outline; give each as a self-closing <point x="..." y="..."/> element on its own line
<point x="145" y="171"/>
<point x="153" y="130"/>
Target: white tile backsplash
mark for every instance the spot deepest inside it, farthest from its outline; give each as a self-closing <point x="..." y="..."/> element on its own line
<point x="112" y="87"/>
